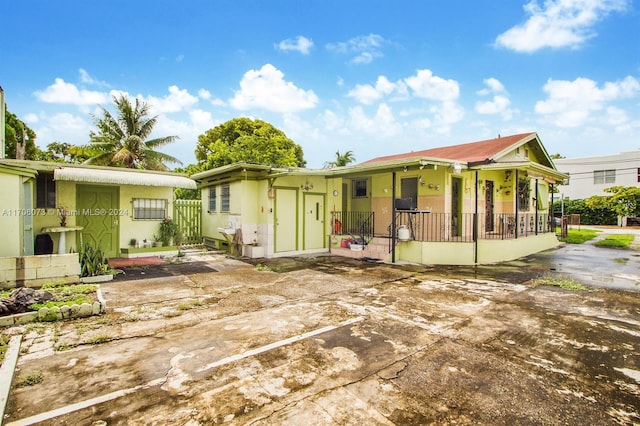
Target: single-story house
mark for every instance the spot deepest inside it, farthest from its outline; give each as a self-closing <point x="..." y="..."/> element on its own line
<point x="55" y="207"/>
<point x="474" y="203"/>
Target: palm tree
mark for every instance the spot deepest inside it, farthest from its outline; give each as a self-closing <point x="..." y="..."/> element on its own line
<point x="341" y="159"/>
<point x="121" y="141"/>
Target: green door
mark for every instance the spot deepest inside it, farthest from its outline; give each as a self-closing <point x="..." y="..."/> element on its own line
<point x="95" y="207"/>
<point x="313" y="221"/>
<point x="286" y="212"/>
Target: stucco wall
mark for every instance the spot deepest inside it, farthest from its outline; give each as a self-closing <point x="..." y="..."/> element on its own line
<point x="34" y="271"/>
<point x="10" y="215"/>
<point x="140" y="229"/>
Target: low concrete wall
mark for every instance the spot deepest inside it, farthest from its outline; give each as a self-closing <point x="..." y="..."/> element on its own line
<point x="34" y="271"/>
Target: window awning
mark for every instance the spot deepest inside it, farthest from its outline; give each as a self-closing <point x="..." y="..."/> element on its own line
<point x="122" y="177"/>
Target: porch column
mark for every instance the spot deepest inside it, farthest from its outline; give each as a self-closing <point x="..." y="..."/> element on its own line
<point x="536" y="206"/>
<point x="475" y="225"/>
<point x="393" y="217"/>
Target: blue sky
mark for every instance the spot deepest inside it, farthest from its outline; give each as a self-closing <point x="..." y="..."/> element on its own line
<point x="372" y="77"/>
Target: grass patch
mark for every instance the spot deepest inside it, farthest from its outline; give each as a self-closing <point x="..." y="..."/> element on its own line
<point x="617" y="241"/>
<point x="561" y="281"/>
<point x="579" y="236"/>
<point x="4" y="345"/>
<point x="189" y="305"/>
<point x="100" y="338"/>
<point x="31" y="379"/>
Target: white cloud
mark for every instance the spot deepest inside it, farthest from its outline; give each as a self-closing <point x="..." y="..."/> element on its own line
<point x="367" y="94"/>
<point x="499" y="104"/>
<point x="204" y="94"/>
<point x="175" y="101"/>
<point x="383" y="123"/>
<point x="31" y="118"/>
<point x="364" y="48"/>
<point x="62" y="127"/>
<point x="570" y="103"/>
<point x="266" y="89"/>
<point x="493" y="86"/>
<point x="559" y="23"/>
<point x="426" y="85"/>
<point x="299" y="44"/>
<point x="62" y="92"/>
<point x="86" y="78"/>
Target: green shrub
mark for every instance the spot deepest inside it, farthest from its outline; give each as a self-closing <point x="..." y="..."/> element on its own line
<point x="92" y="261"/>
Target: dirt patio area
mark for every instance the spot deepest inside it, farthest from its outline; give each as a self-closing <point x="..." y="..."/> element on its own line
<point x="334" y="341"/>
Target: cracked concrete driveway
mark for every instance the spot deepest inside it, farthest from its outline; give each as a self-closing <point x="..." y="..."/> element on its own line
<point x="335" y="341"/>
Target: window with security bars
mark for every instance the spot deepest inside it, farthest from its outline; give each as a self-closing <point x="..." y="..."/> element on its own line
<point x="45" y="191"/>
<point x="213" y="207"/>
<point x="359" y="189"/>
<point x="604" y="176"/>
<point x="149" y="209"/>
<point x="225" y="192"/>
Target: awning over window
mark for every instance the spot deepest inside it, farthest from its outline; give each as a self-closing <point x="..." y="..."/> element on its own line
<point x="122" y="177"/>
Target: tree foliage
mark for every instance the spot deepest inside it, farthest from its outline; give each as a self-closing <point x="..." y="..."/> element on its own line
<point x="20" y="140"/>
<point x="590" y="213"/>
<point x="341" y="160"/>
<point x="247" y="140"/>
<point x="624" y="200"/>
<point x="122" y="141"/>
<point x="188" y="194"/>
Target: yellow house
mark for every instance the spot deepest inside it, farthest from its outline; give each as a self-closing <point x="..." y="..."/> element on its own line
<point x="474" y="203"/>
<point x="50" y="208"/>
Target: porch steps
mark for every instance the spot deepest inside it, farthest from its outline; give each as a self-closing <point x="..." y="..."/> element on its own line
<point x="378" y="248"/>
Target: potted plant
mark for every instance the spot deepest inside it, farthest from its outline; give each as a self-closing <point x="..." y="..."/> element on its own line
<point x="62" y="214"/>
<point x="157" y="241"/>
<point x="133" y="242"/>
<point x="168" y="231"/>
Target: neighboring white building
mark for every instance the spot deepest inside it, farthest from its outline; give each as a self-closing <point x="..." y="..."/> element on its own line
<point x="591" y="175"/>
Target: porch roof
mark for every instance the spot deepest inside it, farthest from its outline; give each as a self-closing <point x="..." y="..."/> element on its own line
<point x="122" y="177"/>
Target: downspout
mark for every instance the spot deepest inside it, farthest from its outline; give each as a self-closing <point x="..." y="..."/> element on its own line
<point x="537" y="204"/>
<point x="516" y="198"/>
<point x="475" y="226"/>
<point x="393" y="217"/>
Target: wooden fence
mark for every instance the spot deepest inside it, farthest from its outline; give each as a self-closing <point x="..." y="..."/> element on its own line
<point x="187" y="214"/>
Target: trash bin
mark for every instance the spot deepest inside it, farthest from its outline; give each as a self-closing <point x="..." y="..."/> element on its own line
<point x="43" y="244"/>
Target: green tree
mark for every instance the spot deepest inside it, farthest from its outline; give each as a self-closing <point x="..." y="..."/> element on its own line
<point x="122" y="141"/>
<point x="625" y="200"/>
<point x="188" y="194"/>
<point x="20" y="140"/>
<point x="63" y="152"/>
<point x="341" y="160"/>
<point x="247" y="140"/>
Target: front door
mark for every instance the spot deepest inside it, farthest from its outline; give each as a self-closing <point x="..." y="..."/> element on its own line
<point x="409" y="190"/>
<point x="456" y="211"/>
<point x="95" y="207"/>
<point x="313" y="221"/>
<point x="488" y="206"/>
<point x="286" y="213"/>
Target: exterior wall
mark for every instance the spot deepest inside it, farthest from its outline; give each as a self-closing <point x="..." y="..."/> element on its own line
<point x="128" y="228"/>
<point x="140" y="229"/>
<point x="581" y="171"/>
<point x="10" y="217"/>
<point x="252" y="209"/>
<point x="491" y="251"/>
<point x="34" y="271"/>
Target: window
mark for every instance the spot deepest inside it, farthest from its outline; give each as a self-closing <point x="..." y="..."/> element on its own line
<point x="45" y="191"/>
<point x="212" y="199"/>
<point x="638" y="175"/>
<point x="225" y="205"/>
<point x="604" y="176"/>
<point x="149" y="209"/>
<point x="409" y="191"/>
<point x="359" y="188"/>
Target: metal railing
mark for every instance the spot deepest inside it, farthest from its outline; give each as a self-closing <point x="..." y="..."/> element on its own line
<point x="440" y="227"/>
<point x="357" y="224"/>
<point x="446" y="227"/>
